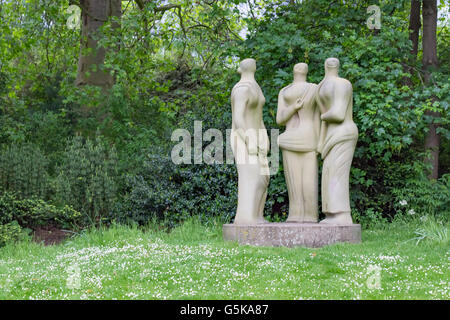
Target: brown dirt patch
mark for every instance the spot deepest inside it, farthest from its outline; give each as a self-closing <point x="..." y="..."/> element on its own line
<point x="49" y="235"/>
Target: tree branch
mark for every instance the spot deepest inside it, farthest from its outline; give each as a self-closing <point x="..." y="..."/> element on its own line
<point x="167" y="7"/>
<point x="141" y="4"/>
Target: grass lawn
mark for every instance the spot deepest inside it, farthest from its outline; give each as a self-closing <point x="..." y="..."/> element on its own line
<point x="193" y="262"/>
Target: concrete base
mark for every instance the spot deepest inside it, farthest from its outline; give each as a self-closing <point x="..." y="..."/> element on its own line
<point x="289" y="234"/>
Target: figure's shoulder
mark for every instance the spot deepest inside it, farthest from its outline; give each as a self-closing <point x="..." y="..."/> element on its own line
<point x="244" y="85"/>
<point x="312" y="87"/>
<point x="344" y="83"/>
<point x="242" y="88"/>
<point x="285" y="88"/>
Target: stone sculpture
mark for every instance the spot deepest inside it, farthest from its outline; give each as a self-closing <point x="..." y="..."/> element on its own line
<point x="318" y="119"/>
<point x="298" y="111"/>
<point x="250" y="145"/>
<point x="337" y="142"/>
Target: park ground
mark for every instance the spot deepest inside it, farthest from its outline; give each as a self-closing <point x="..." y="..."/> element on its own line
<point x="394" y="261"/>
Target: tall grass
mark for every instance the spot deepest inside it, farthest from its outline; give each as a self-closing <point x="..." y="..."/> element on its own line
<point x="432" y="230"/>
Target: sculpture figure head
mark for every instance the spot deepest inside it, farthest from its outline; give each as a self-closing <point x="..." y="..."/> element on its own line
<point x="247" y="66"/>
<point x="301" y="68"/>
<point x="300" y="71"/>
<point x="332" y="66"/>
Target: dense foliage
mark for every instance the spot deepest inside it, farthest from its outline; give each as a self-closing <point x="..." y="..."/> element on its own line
<point x="87" y="179"/>
<point x="17" y="216"/>
<point x="23" y="169"/>
<point x="106" y="154"/>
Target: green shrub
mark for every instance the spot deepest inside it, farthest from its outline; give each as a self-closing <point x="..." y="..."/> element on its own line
<point x="7" y="207"/>
<point x="421" y="197"/>
<point x="370" y="219"/>
<point x="11" y="232"/>
<point x="23" y="170"/>
<point x="49" y="131"/>
<point x="172" y="193"/>
<point x="87" y="178"/>
<point x="33" y="212"/>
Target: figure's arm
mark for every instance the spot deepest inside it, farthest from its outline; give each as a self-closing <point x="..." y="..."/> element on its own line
<point x="263" y="142"/>
<point x="240" y="99"/>
<point x="284" y="112"/>
<point x="342" y="94"/>
<point x="319" y="103"/>
<point x="320" y="109"/>
<point x="316" y="119"/>
<point x="322" y="134"/>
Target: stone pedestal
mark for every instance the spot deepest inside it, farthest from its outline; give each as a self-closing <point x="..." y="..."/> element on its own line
<point x="288" y="234"/>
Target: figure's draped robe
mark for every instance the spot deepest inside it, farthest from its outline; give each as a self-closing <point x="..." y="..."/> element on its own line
<point x="253" y="170"/>
<point x="337" y="148"/>
<point x="298" y="145"/>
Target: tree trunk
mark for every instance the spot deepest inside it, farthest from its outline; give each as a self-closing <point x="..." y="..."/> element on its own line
<point x="414" y="31"/>
<point x="430" y="61"/>
<point x="94" y="13"/>
<point x="414" y="25"/>
<point x="429" y="41"/>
